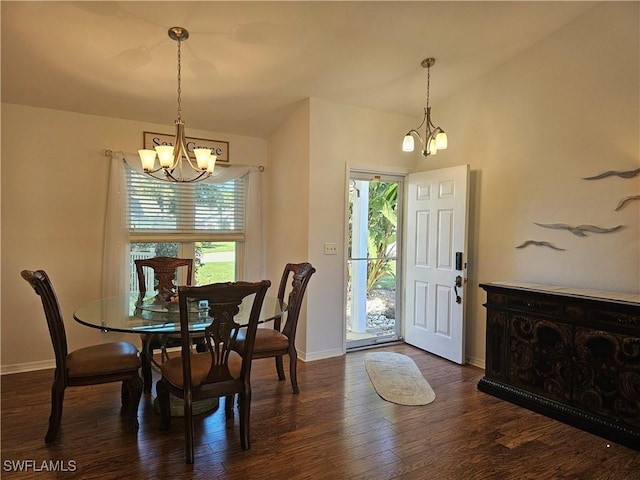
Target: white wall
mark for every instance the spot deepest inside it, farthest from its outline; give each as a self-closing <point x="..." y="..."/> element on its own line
<point x="287" y="192"/>
<point x="565" y="109"/>
<point x="53" y="205"/>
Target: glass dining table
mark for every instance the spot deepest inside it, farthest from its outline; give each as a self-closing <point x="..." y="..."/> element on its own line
<point x="155" y="316"/>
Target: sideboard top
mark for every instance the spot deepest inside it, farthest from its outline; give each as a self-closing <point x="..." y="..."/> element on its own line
<point x="629" y="298"/>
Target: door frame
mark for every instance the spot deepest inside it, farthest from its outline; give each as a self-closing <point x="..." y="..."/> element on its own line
<point x="382" y="170"/>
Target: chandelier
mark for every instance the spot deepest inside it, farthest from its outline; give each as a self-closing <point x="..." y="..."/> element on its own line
<point x="171" y="157"/>
<point x="434" y="137"/>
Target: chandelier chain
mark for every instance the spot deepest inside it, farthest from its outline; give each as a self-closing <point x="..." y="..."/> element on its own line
<point x="428" y="84"/>
<point x="179" y="84"/>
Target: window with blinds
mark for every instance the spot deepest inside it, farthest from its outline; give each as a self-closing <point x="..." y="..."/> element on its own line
<point x="185" y="211"/>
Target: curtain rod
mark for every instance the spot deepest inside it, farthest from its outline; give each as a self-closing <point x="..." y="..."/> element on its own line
<point x="109" y="153"/>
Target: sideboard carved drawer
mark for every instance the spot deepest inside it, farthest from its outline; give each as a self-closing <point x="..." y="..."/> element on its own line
<point x="534" y="305"/>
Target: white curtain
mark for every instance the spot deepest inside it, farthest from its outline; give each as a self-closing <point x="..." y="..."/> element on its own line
<point x="115" y="258"/>
<point x="253" y="241"/>
<point x="116" y="239"/>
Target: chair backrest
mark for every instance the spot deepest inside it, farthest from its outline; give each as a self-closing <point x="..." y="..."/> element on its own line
<point x="224" y="301"/>
<point x="301" y="274"/>
<point x="164" y="269"/>
<point x="40" y="282"/>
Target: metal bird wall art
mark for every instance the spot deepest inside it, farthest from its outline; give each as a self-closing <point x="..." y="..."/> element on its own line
<point x="625" y="200"/>
<point x="579" y="230"/>
<point x="539" y="244"/>
<point x="582" y="230"/>
<point x="616" y="173"/>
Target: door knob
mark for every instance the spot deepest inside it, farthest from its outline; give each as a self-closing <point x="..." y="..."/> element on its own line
<point x="455" y="288"/>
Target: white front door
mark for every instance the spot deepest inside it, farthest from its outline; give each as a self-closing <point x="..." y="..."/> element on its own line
<point x="435" y="261"/>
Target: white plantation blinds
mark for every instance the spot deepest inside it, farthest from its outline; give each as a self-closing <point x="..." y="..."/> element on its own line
<point x="185" y="211"/>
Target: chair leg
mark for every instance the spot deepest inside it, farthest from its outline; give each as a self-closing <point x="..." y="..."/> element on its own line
<point x="228" y="406"/>
<point x="131" y="393"/>
<point x="293" y="369"/>
<point x="55" y="418"/>
<point x="279" y="367"/>
<point x="245" y="410"/>
<point x="163" y="404"/>
<point x="124" y="395"/>
<point x="188" y="428"/>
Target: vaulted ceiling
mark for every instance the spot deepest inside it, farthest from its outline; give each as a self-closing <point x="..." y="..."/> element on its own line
<point x="247" y="64"/>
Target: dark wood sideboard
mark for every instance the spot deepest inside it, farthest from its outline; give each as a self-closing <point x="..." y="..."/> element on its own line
<point x="569" y="354"/>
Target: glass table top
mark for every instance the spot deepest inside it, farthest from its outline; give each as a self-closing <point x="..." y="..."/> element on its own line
<point x="127" y="313"/>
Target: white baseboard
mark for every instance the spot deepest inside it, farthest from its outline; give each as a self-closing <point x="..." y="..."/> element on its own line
<point x="310" y="357"/>
<point x="476" y="362"/>
<point x="27" y="367"/>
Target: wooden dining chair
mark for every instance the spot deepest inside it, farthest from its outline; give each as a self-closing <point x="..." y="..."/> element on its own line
<point x="281" y="340"/>
<point x="220" y="371"/>
<point x="103" y="363"/>
<point x="165" y="288"/>
<point x="164" y="271"/>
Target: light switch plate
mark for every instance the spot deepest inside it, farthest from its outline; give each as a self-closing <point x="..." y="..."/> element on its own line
<point x="330" y="248"/>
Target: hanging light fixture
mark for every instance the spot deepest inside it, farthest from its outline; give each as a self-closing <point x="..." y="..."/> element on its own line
<point x="171" y="157"/>
<point x="434" y="137"/>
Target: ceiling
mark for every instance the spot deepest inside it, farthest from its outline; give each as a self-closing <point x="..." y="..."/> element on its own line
<point x="246" y="65"/>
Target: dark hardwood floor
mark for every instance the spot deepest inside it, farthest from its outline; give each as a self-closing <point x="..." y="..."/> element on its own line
<point x="337" y="428"/>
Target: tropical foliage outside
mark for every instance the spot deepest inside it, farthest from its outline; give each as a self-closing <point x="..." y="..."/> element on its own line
<point x="383" y="223"/>
<point x="382" y="234"/>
